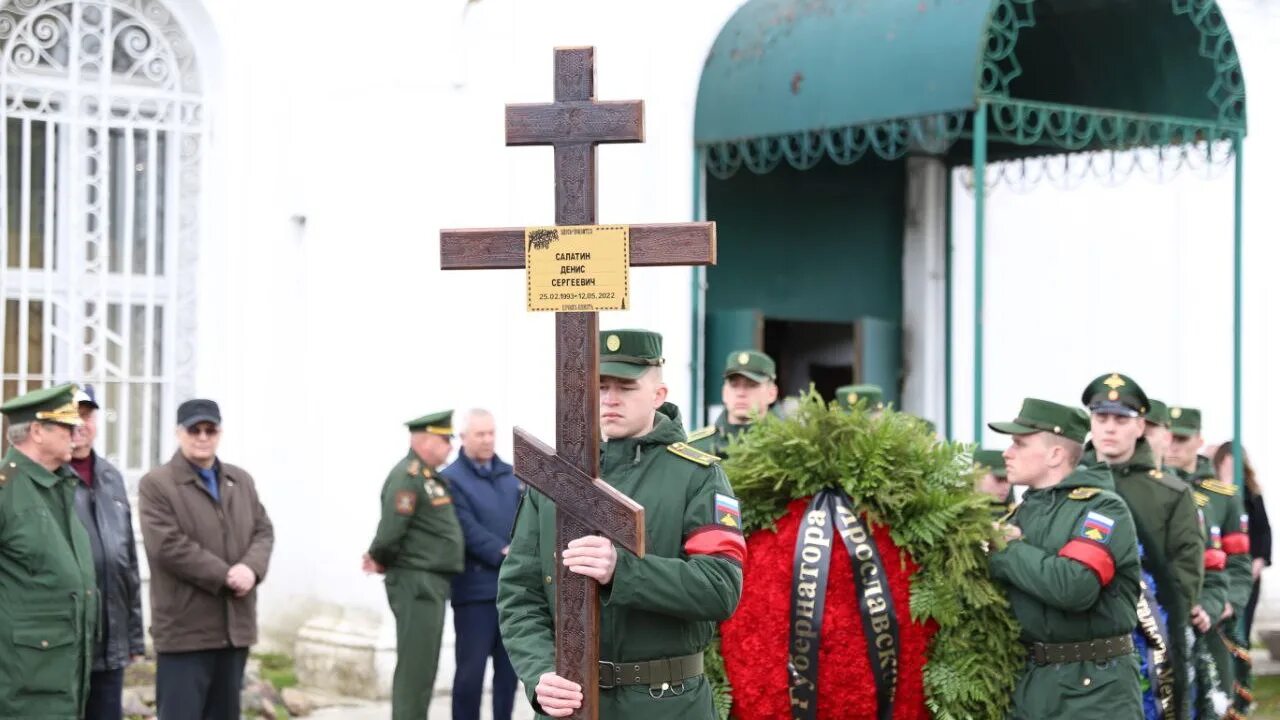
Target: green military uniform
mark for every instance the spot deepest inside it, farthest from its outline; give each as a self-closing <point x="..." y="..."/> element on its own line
<point x="48" y="592"/>
<point x="992" y="461"/>
<point x="751" y="364"/>
<point x="419" y="542"/>
<point x="850" y="395"/>
<point x="1166" y="520"/>
<point x="661" y="608"/>
<point x="1073" y="580"/>
<point x="1228" y="571"/>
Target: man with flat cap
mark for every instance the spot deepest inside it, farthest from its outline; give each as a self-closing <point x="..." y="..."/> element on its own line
<point x="209" y="542"/>
<point x="848" y="396"/>
<point x="1228" y="576"/>
<point x="1070" y="563"/>
<point x="750" y="387"/>
<point x="658" y="613"/>
<point x="419" y="547"/>
<point x="1166" y="520"/>
<point x="48" y="593"/>
<point x="993" y="481"/>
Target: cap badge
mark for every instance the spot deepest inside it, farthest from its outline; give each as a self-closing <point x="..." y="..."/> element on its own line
<point x="613" y="343"/>
<point x="853" y="398"/>
<point x="1175" y="413"/>
<point x="1113" y="395"/>
<point x="743" y="358"/>
<point x="1113" y="382"/>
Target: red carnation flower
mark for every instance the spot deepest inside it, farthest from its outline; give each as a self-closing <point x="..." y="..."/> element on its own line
<point x="754" y="642"/>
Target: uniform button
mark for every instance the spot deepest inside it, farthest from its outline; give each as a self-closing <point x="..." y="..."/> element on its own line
<point x="547" y="579"/>
<point x="1087" y="682"/>
<point x="44" y="643"/>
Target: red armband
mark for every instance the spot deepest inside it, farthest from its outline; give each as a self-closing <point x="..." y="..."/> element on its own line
<point x="1214" y="559"/>
<point x="717" y="540"/>
<point x="1092" y="555"/>
<point x="1236" y="543"/>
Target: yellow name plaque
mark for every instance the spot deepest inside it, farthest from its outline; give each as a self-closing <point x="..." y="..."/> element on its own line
<point x="577" y="268"/>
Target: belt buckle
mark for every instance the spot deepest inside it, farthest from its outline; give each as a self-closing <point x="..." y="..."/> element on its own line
<point x="610" y="669"/>
<point x="1039" y="654"/>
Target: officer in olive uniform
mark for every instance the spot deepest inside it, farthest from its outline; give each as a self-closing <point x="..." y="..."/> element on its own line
<point x="1072" y="570"/>
<point x="750" y="387"/>
<point x="48" y="591"/>
<point x="1162" y="508"/>
<point x="658" y="613"/>
<point x="419" y="546"/>
<point x="849" y="396"/>
<point x="1228" y="573"/>
<point x="994" y="481"/>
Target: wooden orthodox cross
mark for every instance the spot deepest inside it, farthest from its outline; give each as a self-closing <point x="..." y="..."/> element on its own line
<point x="585" y="505"/>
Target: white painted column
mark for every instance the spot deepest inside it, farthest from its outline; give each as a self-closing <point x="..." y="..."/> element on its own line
<point x="924" y="285"/>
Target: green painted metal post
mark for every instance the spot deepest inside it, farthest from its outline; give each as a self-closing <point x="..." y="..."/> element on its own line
<point x="1237" y="145"/>
<point x="979" y="260"/>
<point x="948" y="323"/>
<point x="699" y="324"/>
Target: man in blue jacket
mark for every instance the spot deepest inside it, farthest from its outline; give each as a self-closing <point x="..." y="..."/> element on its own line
<point x="486" y="495"/>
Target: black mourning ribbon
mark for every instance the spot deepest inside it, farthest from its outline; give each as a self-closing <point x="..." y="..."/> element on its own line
<point x="1159" y="657"/>
<point x="831" y="509"/>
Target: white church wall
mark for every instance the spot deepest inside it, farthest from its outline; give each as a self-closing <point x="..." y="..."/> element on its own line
<point x="346" y="141"/>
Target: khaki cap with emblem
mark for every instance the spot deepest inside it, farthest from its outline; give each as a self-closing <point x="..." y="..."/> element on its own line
<point x="850" y="395"/>
<point x="52" y="404"/>
<point x="1045" y="416"/>
<point x="1115" y="394"/>
<point x="1184" y="421"/>
<point x="992" y="460"/>
<point x="1158" y="413"/>
<point x="436" y="423"/>
<point x="628" y="354"/>
<point x="751" y="364"/>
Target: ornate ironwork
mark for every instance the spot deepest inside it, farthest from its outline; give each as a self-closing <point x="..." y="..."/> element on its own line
<point x="888" y="140"/>
<point x="118" y="83"/>
<point x="999" y="60"/>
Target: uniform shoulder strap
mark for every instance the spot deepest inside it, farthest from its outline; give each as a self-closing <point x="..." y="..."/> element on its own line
<point x="702" y="433"/>
<point x="1220" y="488"/>
<point x="414" y="467"/>
<point x="1083" y="493"/>
<point x="692" y="454"/>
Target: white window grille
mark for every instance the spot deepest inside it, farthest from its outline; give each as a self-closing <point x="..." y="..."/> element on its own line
<point x="99" y="184"/>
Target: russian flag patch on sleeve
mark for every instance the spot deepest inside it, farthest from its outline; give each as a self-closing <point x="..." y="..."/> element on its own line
<point x="727" y="511"/>
<point x="1097" y="527"/>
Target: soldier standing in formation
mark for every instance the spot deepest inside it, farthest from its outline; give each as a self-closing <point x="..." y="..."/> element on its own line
<point x="1071" y="566"/>
<point x="48" y="591"/>
<point x="1163" y="510"/>
<point x="658" y="613"/>
<point x="750" y="387"/>
<point x="418" y="546"/>
<point x="1228" y="574"/>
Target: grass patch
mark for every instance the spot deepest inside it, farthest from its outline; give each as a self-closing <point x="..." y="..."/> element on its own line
<point x="277" y="669"/>
<point x="1266" y="690"/>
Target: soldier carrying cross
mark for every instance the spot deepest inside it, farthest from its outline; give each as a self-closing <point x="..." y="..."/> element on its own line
<point x="659" y="612"/>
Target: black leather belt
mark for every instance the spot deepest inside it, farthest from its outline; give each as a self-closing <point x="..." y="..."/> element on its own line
<point x="1088" y="650"/>
<point x="654" y="673"/>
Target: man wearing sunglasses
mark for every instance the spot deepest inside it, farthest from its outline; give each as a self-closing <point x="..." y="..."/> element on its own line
<point x="208" y="542"/>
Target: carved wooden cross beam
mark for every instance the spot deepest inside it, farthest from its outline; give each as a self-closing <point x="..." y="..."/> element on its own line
<point x="585" y="505"/>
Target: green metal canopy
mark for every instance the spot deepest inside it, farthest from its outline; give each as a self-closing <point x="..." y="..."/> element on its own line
<point x="970" y="81"/>
<point x="807" y="79"/>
